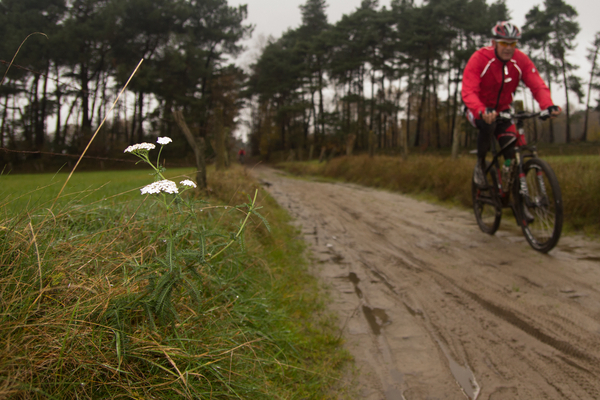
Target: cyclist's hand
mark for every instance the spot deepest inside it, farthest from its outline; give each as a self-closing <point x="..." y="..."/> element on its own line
<point x="489" y="116"/>
<point x="554" y="111"/>
<point x="550" y="112"/>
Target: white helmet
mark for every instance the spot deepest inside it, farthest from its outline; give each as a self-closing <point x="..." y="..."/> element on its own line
<point x="506" y="30"/>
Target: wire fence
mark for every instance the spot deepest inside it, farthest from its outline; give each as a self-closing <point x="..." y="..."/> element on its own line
<point x="47" y="161"/>
<point x="65" y="155"/>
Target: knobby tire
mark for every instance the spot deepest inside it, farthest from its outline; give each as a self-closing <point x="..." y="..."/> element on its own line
<point x="488" y="211"/>
<point x="544" y="205"/>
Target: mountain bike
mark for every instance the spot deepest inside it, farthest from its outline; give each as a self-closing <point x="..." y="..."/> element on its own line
<point x="528" y="187"/>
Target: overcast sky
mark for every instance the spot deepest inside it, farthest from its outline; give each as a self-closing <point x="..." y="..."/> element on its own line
<point x="273" y="17"/>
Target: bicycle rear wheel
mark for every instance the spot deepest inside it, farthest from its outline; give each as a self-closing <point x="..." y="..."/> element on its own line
<point x="488" y="212"/>
<point x="542" y="209"/>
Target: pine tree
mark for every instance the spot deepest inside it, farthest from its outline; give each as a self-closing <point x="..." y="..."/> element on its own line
<point x="555" y="28"/>
<point x="592" y="57"/>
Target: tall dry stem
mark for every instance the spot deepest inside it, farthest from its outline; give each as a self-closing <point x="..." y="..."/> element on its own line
<point x="18" y="50"/>
<point x="96" y="133"/>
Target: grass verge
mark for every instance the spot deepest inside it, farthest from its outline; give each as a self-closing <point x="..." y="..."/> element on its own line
<point x="449" y="180"/>
<point x="70" y="325"/>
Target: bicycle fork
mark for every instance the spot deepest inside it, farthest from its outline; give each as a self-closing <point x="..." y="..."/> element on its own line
<point x="522" y="197"/>
<point x="523" y="190"/>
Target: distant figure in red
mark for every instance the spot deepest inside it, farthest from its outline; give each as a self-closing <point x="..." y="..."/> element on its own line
<point x="241" y="155"/>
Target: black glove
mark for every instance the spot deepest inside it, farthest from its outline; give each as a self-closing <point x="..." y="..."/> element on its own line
<point x="488" y="110"/>
<point x="548" y="112"/>
<point x="551" y="109"/>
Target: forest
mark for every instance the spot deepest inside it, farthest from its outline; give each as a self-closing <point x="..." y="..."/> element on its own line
<point x="388" y="78"/>
<point x="379" y="79"/>
<point x="78" y="55"/>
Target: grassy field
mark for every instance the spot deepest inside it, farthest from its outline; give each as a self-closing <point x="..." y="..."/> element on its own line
<point x="24" y="191"/>
<point x="106" y="294"/>
<point x="449" y="180"/>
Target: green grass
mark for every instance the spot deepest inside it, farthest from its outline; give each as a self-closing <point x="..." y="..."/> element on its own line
<point x="71" y="327"/>
<point x="449" y="180"/>
<point x="23" y="191"/>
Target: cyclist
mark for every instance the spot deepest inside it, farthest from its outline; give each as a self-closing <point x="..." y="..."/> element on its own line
<point x="490" y="80"/>
<point x="241" y="155"/>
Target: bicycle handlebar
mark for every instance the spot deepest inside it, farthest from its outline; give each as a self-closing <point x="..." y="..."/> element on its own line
<point x="543" y="115"/>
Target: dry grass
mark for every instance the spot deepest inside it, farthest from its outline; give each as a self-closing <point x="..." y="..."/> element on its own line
<point x="70" y="325"/>
<point x="580" y="186"/>
<point x="444" y="177"/>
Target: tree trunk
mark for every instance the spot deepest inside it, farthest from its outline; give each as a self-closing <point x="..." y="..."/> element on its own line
<point x="32" y="115"/>
<point x="3" y="126"/>
<point x="347" y="117"/>
<point x="313" y="110"/>
<point x="408" y="110"/>
<point x="361" y="107"/>
<point x="535" y="131"/>
<point x="448" y="106"/>
<point x="455" y="103"/>
<point x="198" y="145"/>
<point x="549" y="79"/>
<point x="321" y="105"/>
<point x="63" y="137"/>
<point x="219" y="133"/>
<point x="284" y="132"/>
<point x="102" y="113"/>
<point x="455" y="142"/>
<point x="93" y="109"/>
<point x="305" y="125"/>
<point x="589" y="95"/>
<point x="405" y="132"/>
<point x="372" y="115"/>
<point x="58" y="109"/>
<point x="350" y="144"/>
<point x="568" y="111"/>
<point x="436" y="113"/>
<point x="422" y="105"/>
<point x="86" y="123"/>
<point x="381" y="122"/>
<point x="40" y="131"/>
<point x="134" y="126"/>
<point x="396" y="132"/>
<point x="322" y="156"/>
<point x="11" y="130"/>
<point x="140" y="122"/>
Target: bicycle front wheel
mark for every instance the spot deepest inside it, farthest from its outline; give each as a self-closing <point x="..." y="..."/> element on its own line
<point x="542" y="207"/>
<point x="488" y="211"/>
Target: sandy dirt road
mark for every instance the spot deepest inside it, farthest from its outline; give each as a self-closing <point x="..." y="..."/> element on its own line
<point x="432" y="308"/>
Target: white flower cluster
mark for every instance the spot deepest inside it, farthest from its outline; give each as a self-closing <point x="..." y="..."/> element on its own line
<point x="139" y="146"/>
<point x="166" y="186"/>
<point x="189" y="183"/>
<point x="163" y="140"/>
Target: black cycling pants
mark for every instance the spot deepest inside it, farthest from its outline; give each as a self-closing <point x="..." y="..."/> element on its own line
<point x="501" y="131"/>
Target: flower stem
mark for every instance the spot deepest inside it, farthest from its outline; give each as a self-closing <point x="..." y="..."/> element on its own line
<point x="241" y="227"/>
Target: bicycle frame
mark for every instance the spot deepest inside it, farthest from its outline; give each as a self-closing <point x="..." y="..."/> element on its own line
<point x="536" y="200"/>
<point x="521" y="153"/>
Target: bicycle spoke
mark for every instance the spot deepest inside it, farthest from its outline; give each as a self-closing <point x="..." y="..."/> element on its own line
<point x="485" y="204"/>
<point x="543" y="204"/>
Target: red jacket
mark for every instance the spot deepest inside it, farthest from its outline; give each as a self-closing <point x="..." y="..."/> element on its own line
<point x="491" y="82"/>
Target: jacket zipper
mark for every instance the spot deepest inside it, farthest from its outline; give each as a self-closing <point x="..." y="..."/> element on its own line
<point x="502" y="84"/>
